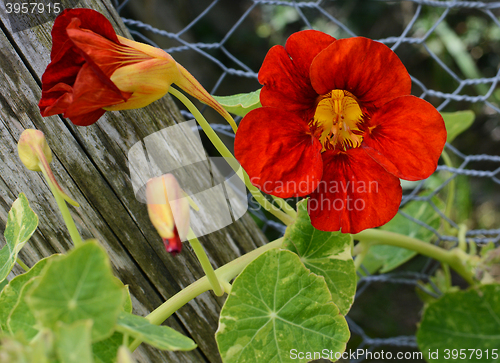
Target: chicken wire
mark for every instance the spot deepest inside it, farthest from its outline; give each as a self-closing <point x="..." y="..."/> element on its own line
<point x="468" y="92"/>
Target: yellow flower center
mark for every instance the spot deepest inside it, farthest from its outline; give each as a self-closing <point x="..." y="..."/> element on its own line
<point x="336" y="121"/>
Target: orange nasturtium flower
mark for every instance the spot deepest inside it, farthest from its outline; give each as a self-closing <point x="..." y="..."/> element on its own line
<point x="93" y="70"/>
<point x="168" y="209"/>
<point x="338" y="124"/>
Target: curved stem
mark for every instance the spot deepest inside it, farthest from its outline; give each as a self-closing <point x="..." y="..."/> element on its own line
<point x="455" y="258"/>
<point x="227" y="287"/>
<point x="225" y="274"/>
<point x="285" y="206"/>
<point x="22" y="264"/>
<point x="63" y="207"/>
<point x="205" y="263"/>
<point x="358" y="261"/>
<point x="224" y="151"/>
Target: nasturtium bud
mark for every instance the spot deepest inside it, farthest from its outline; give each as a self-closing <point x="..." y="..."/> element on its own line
<point x="168" y="209"/>
<point x="35" y="154"/>
<point x="33" y="148"/>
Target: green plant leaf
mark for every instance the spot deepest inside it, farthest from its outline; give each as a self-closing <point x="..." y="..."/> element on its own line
<point x="105" y="351"/>
<point x="327" y="254"/>
<point x="277" y="307"/>
<point x="21" y="224"/>
<point x="9" y="296"/>
<point x="16" y="349"/>
<point x="387" y="258"/>
<point x="3" y="284"/>
<point x="457" y="122"/>
<point x="462" y="320"/>
<point x="161" y="337"/>
<point x="127" y="303"/>
<point x="21" y="318"/>
<point x="85" y="289"/>
<point x="240" y="104"/>
<point x="73" y="342"/>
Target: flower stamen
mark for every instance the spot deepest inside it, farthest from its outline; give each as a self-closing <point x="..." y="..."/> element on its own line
<point x="336" y="121"/>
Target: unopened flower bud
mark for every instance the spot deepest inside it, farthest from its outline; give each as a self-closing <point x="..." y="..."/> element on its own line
<point x="32" y="147"/>
<point x="36" y="155"/>
<point x="168" y="210"/>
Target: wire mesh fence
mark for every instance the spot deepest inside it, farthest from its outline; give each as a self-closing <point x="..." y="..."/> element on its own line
<point x="452" y="52"/>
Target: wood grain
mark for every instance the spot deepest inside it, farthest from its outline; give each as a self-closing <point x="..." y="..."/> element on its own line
<point x="91" y="165"/>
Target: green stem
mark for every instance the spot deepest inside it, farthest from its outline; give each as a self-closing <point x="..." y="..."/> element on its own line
<point x="360" y="257"/>
<point x="447" y="275"/>
<point x="225" y="274"/>
<point x="205" y="263"/>
<point x="451" y="186"/>
<point x="227" y="287"/>
<point x="285" y="206"/>
<point x="224" y="151"/>
<point x="455" y="258"/>
<point x="462" y="242"/>
<point x="22" y="264"/>
<point x="63" y="207"/>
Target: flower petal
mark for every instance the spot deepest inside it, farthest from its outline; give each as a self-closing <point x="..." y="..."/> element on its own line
<point x="89" y="19"/>
<point x="147" y="82"/>
<point x="59" y="98"/>
<point x="278" y="152"/>
<point x="56" y="100"/>
<point x="159" y="210"/>
<point x="173" y="245"/>
<point x="65" y="59"/>
<point x="369" y="70"/>
<point x="285" y="71"/>
<point x="87" y="119"/>
<point x="179" y="204"/>
<point x="91" y="94"/>
<point x="406" y="136"/>
<point x="99" y="51"/>
<point x="356" y="193"/>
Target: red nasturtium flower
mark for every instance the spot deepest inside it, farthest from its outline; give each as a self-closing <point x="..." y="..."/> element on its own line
<point x="338" y="123"/>
<point x="93" y="70"/>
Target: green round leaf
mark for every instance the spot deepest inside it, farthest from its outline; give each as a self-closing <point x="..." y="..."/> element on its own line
<point x="161" y="337"/>
<point x="277" y="307"/>
<point x="9" y="298"/>
<point x="3" y="284"/>
<point x="21" y="318"/>
<point x="327" y="254"/>
<point x="21" y="224"/>
<point x="73" y="343"/>
<point x="105" y="351"/>
<point x="465" y="321"/>
<point x="79" y="286"/>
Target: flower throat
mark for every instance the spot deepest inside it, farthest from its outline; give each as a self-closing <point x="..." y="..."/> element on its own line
<point x="336" y="120"/>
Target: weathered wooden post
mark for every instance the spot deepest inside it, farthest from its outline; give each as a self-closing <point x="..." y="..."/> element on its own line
<point x="91" y="165"/>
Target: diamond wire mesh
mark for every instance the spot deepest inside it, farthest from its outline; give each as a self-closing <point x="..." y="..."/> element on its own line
<point x="465" y="89"/>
